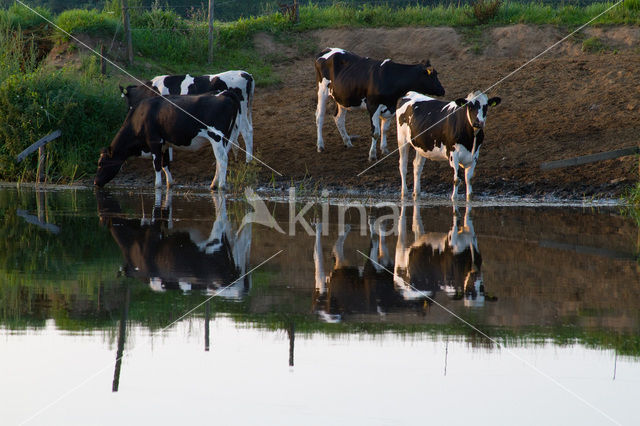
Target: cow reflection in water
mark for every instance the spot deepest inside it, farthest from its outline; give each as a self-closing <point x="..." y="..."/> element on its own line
<point x="349" y="289"/>
<point x="155" y="252"/>
<point x="449" y="262"/>
<point x="439" y="261"/>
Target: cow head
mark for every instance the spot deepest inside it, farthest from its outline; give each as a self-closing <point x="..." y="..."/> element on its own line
<point x="428" y="81"/>
<point x="135" y="94"/>
<point x="477" y="104"/>
<point x="108" y="167"/>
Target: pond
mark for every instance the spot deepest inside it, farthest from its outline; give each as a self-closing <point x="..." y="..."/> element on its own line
<point x="140" y="307"/>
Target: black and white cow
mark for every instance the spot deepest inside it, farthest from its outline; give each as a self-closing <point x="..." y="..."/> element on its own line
<point x="354" y="82"/>
<point x="183" y="257"/>
<point x="440" y="261"/>
<point x="241" y="81"/>
<point x="441" y="131"/>
<point x="187" y="122"/>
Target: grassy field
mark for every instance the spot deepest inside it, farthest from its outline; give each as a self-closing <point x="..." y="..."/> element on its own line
<point x="36" y="99"/>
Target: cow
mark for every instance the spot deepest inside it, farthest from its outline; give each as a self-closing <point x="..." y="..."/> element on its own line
<point x="241" y="81"/>
<point x="354" y="82"/>
<point x="441" y="131"/>
<point x="186" y="122"/>
<point x="438" y="261"/>
<point x="180" y="258"/>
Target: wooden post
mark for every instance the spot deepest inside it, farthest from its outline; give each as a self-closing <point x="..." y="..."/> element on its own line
<point x="210" y="57"/>
<point x="103" y="63"/>
<point x="127" y="30"/>
<point x="296" y="11"/>
<point x="42" y="157"/>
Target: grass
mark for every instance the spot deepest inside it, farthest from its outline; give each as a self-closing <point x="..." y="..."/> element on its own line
<point x="86" y="106"/>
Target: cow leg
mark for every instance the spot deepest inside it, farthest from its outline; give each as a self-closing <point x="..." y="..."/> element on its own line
<point x="454" y="163"/>
<point x="385" y="122"/>
<point x="157" y="155"/>
<point x="468" y="175"/>
<point x="375" y="129"/>
<point x="418" y="164"/>
<point x="403" y="149"/>
<point x="221" y="153"/>
<point x="246" y="129"/>
<point x="340" y="118"/>
<point x="323" y="94"/>
<point x="167" y="157"/>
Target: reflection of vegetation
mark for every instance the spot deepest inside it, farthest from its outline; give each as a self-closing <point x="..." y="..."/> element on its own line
<point x="72" y="278"/>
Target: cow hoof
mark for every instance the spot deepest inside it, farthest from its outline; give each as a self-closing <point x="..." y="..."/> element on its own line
<point x="348" y="144"/>
<point x="372" y="158"/>
<point x="385" y="150"/>
<point x="320" y="148"/>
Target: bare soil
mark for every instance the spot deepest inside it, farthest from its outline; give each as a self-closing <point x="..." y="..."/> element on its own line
<point x="567" y="103"/>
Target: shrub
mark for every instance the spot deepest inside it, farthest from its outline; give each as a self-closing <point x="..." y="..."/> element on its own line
<point x="485" y="10"/>
<point x="33" y="105"/>
<point x="19" y="16"/>
<point x="632" y="5"/>
<point x="87" y="21"/>
<point x="159" y="19"/>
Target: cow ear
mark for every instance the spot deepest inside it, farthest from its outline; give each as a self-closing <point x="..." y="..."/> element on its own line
<point x="494" y="101"/>
<point x="461" y="102"/>
<point x="426" y="63"/>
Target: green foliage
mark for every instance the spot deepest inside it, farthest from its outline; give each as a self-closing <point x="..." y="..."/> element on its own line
<point x="593" y="45"/>
<point x="485" y="10"/>
<point x="86" y="21"/>
<point x="18" y="16"/>
<point x="159" y="19"/>
<point x="33" y="105"/>
<point x="633" y="5"/>
<point x="17" y="54"/>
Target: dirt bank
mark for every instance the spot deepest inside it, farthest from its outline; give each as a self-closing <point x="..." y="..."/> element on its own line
<point x="581" y="98"/>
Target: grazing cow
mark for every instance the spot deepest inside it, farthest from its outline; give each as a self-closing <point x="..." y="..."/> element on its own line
<point x="241" y="81"/>
<point x="354" y="82"/>
<point x="350" y="290"/>
<point x="187" y="122"/>
<point x="440" y="261"/>
<point x="181" y="259"/>
<point x="441" y="131"/>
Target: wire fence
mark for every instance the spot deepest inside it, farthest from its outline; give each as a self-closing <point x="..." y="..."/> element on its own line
<point x="229" y="10"/>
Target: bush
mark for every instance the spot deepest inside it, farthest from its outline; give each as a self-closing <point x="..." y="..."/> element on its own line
<point x="87" y="21"/>
<point x="158" y="19"/>
<point x="35" y="104"/>
<point x="19" y="16"/>
<point x="485" y="10"/>
<point x="17" y="54"/>
<point x="632" y="5"/>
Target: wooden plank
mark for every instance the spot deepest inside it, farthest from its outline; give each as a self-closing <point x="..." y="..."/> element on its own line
<point x="36" y="145"/>
<point x="601" y="156"/>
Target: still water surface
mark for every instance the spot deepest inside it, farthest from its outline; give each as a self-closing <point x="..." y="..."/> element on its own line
<point x="358" y="320"/>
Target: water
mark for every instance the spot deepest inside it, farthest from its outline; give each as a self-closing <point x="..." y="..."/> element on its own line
<point x="139" y="308"/>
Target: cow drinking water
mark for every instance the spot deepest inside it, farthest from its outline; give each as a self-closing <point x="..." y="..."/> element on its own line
<point x="354" y="82"/>
<point x="186" y="122"/>
<point x="441" y="131"/>
<point x="240" y="81"/>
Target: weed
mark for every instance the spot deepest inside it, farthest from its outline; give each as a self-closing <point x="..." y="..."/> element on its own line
<point x="593" y="45"/>
<point x="485" y="10"/>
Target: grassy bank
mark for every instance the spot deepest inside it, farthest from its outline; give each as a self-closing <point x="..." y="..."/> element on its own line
<point x="36" y="98"/>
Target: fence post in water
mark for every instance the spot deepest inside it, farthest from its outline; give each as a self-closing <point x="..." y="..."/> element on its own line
<point x="42" y="157"/>
<point x="127" y="30"/>
<point x="210" y="57"/>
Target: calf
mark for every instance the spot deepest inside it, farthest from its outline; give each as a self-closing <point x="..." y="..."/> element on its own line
<point x="240" y="81"/>
<point x="441" y="131"/>
<point x="186" y="122"/>
<point x="354" y="82"/>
